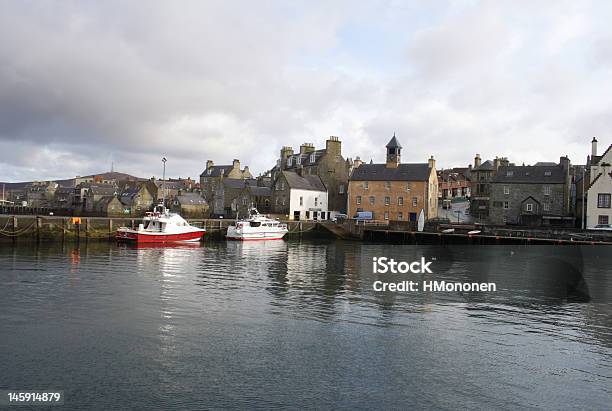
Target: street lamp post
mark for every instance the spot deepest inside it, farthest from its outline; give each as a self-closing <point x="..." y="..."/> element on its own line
<point x="583" y="195"/>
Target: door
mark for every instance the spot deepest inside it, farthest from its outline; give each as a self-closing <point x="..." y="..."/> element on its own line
<point x="296" y="215"/>
<point x="413" y="217"/>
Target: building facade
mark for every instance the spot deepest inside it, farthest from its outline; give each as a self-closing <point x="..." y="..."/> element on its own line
<point x="599" y="191"/>
<point x="328" y="163"/>
<point x="531" y="195"/>
<point x="300" y="196"/>
<point x="212" y="177"/>
<point x="394" y="191"/>
<point x="481" y="176"/>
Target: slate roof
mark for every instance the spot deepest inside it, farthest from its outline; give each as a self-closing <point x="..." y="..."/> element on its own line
<point x="305" y="159"/>
<point x="191" y="199"/>
<point x="238" y="183"/>
<point x="596" y="159"/>
<point x="105" y="201"/>
<point x="103" y="189"/>
<point x="486" y="166"/>
<point x="215" y="171"/>
<point x="306" y="182"/>
<point x="260" y="191"/>
<point x="380" y="172"/>
<point x="393" y="143"/>
<point x="530" y="174"/>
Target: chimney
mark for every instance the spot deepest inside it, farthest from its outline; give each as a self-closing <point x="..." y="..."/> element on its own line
<point x="306" y="148"/>
<point x="432" y="162"/>
<point x="357" y="162"/>
<point x="593" y="147"/>
<point x="496" y="163"/>
<point x="477" y="161"/>
<point x="333" y="146"/>
<point x="564" y="162"/>
<point x="236" y="164"/>
<point x="209" y="164"/>
<point x="285" y="152"/>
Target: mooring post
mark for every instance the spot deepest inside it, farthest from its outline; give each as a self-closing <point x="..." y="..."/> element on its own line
<point x="87" y="227"/>
<point x="38" y="224"/>
<point x="110" y="228"/>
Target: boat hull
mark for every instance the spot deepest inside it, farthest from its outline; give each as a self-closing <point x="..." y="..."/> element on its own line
<point x="255" y="236"/>
<point x="140" y="237"/>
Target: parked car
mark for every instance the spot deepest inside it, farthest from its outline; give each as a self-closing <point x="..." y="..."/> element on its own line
<point x="338" y="218"/>
<point x="604" y="227"/>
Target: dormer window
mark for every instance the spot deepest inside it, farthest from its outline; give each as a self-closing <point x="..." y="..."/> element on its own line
<point x="299" y="160"/>
<point x="209" y="171"/>
<point x="289" y="161"/>
<point x="509" y="173"/>
<point x="312" y="158"/>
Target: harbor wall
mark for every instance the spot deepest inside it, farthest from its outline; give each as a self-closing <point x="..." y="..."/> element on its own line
<point x="15" y="228"/>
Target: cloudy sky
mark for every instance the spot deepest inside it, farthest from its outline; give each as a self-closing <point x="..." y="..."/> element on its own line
<point x="84" y="84"/>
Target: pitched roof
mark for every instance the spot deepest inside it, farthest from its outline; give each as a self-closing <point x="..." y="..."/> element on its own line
<point x="393" y="143"/>
<point x="306" y="159"/>
<point x="191" y="199"/>
<point x="217" y="171"/>
<point x="596" y="159"/>
<point x="260" y="191"/>
<point x="530" y="174"/>
<point x="105" y="201"/>
<point x="103" y="189"/>
<point x="486" y="166"/>
<point x="380" y="172"/>
<point x="305" y="182"/>
<point x="238" y="183"/>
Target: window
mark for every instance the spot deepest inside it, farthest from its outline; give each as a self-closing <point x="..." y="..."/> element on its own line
<point x="506" y="205"/>
<point x="312" y="158"/>
<point x="400" y="201"/>
<point x="529" y="207"/>
<point x="506" y="190"/>
<point x="546" y="190"/>
<point x="415" y="201"/>
<point x="603" y="200"/>
<point x="372" y="200"/>
<point x="546" y="206"/>
<point x="408" y="187"/>
<point x="603" y="219"/>
<point x="244" y="201"/>
<point x="400" y="216"/>
<point x="387" y="185"/>
<point x="298" y="160"/>
<point x="509" y="173"/>
<point x="316" y="201"/>
<point x="358" y="200"/>
<point x="387" y="200"/>
<point x="289" y="161"/>
<point x="386" y="215"/>
<point x="301" y="201"/>
<point x="341" y="189"/>
<point x="547" y="173"/>
<point x="365" y="185"/>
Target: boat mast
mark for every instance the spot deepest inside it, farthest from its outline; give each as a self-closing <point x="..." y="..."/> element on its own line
<point x="164" y="184"/>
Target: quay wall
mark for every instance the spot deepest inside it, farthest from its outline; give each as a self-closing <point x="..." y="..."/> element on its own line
<point x="55" y="228"/>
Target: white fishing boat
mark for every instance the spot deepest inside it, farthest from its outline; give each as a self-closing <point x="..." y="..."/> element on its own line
<point x="256" y="227"/>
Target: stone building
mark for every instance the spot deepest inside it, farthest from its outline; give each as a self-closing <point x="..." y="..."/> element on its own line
<point x="213" y="176"/>
<point x="326" y="163"/>
<point x="92" y="193"/>
<point x="531" y="195"/>
<point x="394" y="190"/>
<point x="138" y="197"/>
<point x="300" y="196"/>
<point x="190" y="205"/>
<point x="109" y="206"/>
<point x="253" y="196"/>
<point x="481" y="175"/>
<point x="599" y="191"/>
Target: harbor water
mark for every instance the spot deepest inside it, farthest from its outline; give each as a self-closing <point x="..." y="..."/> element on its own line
<point x="297" y="324"/>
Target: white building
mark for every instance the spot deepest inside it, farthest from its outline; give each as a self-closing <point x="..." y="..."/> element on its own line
<point x="300" y="196"/>
<point x="599" y="192"/>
